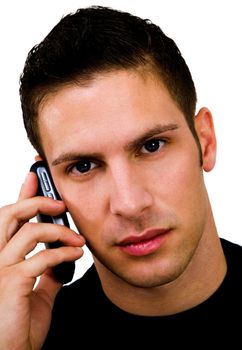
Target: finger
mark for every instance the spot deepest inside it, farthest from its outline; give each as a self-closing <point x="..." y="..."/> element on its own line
<point x="12" y="217"/>
<point x="38" y="158"/>
<point x="25" y="273"/>
<point x="31" y="234"/>
<point x="39" y="263"/>
<point x="29" y="187"/>
<point x="48" y="287"/>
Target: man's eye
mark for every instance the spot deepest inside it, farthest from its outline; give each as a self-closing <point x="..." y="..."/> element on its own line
<point x="152" y="146"/>
<point x="83" y="167"/>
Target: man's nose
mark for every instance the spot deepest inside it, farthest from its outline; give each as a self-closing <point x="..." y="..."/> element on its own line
<point x="129" y="196"/>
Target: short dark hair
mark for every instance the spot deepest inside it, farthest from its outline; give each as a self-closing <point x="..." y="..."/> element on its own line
<point x="97" y="39"/>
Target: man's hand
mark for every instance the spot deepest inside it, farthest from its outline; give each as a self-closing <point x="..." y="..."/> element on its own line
<point x="25" y="311"/>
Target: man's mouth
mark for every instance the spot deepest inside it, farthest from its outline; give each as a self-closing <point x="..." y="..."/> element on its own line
<point x="145" y="243"/>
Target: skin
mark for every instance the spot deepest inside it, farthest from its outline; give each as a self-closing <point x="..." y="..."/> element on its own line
<point x="126" y="191"/>
<point x="27" y="310"/>
<point x="149" y="192"/>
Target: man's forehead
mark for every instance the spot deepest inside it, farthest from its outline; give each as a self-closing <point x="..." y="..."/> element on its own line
<point x="127" y="108"/>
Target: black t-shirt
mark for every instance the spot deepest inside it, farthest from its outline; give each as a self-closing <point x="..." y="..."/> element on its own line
<point x="84" y="318"/>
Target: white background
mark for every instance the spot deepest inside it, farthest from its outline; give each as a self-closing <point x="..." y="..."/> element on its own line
<point x="208" y="33"/>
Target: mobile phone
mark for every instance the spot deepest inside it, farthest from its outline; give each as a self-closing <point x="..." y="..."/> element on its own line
<point x="63" y="272"/>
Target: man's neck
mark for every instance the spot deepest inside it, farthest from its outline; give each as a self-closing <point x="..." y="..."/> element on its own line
<point x="198" y="282"/>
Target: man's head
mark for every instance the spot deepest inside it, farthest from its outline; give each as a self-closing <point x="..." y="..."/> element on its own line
<point x="127" y="167"/>
<point x="97" y="40"/>
<point x="109" y="102"/>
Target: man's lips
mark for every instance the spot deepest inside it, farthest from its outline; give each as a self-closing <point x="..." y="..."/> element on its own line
<point x="144" y="243"/>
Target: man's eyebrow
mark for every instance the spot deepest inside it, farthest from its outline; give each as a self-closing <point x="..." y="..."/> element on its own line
<point x="157" y="130"/>
<point x="74" y="156"/>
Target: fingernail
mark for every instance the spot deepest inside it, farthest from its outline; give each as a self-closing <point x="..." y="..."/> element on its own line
<point x="79" y="249"/>
<point x="81" y="238"/>
<point x="59" y="203"/>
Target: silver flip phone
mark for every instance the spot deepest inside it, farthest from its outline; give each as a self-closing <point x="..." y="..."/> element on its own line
<point x="63" y="272"/>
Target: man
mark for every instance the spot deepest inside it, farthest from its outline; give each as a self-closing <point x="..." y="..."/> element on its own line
<point x="109" y="103"/>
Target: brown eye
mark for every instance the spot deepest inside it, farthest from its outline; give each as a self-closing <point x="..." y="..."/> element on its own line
<point x="83" y="167"/>
<point x="152" y="146"/>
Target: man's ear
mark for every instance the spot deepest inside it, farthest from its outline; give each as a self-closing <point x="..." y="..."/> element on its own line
<point x="206" y="135"/>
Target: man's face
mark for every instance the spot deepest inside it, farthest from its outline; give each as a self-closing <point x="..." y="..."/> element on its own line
<point x="128" y="168"/>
